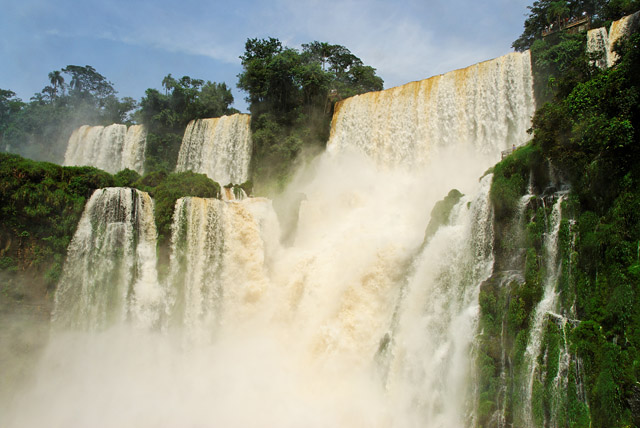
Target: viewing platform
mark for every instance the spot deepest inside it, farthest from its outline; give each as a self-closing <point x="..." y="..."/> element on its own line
<point x="570" y="25"/>
<point x="505" y="153"/>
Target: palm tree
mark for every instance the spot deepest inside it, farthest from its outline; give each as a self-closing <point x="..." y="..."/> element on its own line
<point x="56" y="79"/>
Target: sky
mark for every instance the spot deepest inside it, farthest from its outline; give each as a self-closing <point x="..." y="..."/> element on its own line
<point x="135" y="43"/>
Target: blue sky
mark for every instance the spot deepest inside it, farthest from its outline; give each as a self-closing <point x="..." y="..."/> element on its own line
<point x="136" y="43"/>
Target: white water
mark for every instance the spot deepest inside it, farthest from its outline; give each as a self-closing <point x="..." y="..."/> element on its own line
<point x="351" y="324"/>
<point x="430" y="369"/>
<point x="484" y="109"/>
<point x="110" y="273"/>
<point x="598" y="42"/>
<point x="218" y="262"/>
<point x="619" y="29"/>
<point x="548" y="304"/>
<point x="603" y="42"/>
<point x="218" y="147"/>
<point x="111" y="148"/>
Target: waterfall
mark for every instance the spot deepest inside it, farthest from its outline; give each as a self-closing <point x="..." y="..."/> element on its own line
<point x="485" y="108"/>
<point x="431" y="345"/>
<point x="602" y="42"/>
<point x="548" y="305"/>
<point x="598" y="43"/>
<point x="110" y="273"/>
<point x="217" y="262"/>
<point x="621" y="28"/>
<point x="111" y="148"/>
<point x="218" y="147"/>
<point x="352" y="320"/>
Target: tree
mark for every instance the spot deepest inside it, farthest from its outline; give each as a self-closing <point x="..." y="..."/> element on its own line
<point x="545" y="12"/>
<point x="56" y="79"/>
<point x="292" y="94"/>
<point x="88" y="85"/>
<point x="9" y="107"/>
<point x="41" y="128"/>
<point x="557" y="11"/>
<point x="166" y="115"/>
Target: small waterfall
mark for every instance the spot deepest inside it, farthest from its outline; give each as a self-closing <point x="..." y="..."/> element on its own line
<point x="134" y="147"/>
<point x="598" y="42"/>
<point x="111" y="148"/>
<point x="217" y="263"/>
<point x="548" y="305"/>
<point x="621" y="28"/>
<point x="603" y="42"/>
<point x="484" y="109"/>
<point x="233" y="193"/>
<point x="110" y="273"/>
<point x="218" y="147"/>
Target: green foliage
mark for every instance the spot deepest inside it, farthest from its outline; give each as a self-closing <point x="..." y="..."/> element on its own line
<point x="592" y="133"/>
<point x="291" y="95"/>
<point x="511" y="178"/>
<point x="126" y="178"/>
<point x="41" y="128"/>
<point x="40" y="206"/>
<point x="559" y="63"/>
<point x="166" y="115"/>
<point x="169" y="189"/>
<point x="544" y="13"/>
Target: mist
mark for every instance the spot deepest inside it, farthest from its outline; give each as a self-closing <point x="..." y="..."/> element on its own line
<point x="329" y="313"/>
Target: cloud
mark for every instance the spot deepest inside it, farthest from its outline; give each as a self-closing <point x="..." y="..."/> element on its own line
<point x="404" y="40"/>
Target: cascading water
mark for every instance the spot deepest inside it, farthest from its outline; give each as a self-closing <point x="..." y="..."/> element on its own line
<point x="598" y="43"/>
<point x="485" y="108"/>
<point x="354" y="321"/>
<point x="602" y="42"/>
<point x="218" y="147"/>
<point x="548" y="305"/>
<point x="620" y="29"/>
<point x="217" y="262"/>
<point x="111" y="148"/>
<point x="430" y="346"/>
<point x="110" y="274"/>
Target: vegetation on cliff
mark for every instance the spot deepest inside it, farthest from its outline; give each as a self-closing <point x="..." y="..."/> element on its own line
<point x="40" y="206"/>
<point x="546" y="15"/>
<point x="586" y="137"/>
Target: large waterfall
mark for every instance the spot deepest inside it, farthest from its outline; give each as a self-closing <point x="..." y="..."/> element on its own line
<point x="354" y="320"/>
<point x="218" y="147"/>
<point x="484" y="109"/>
<point x="111" y="148"/>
